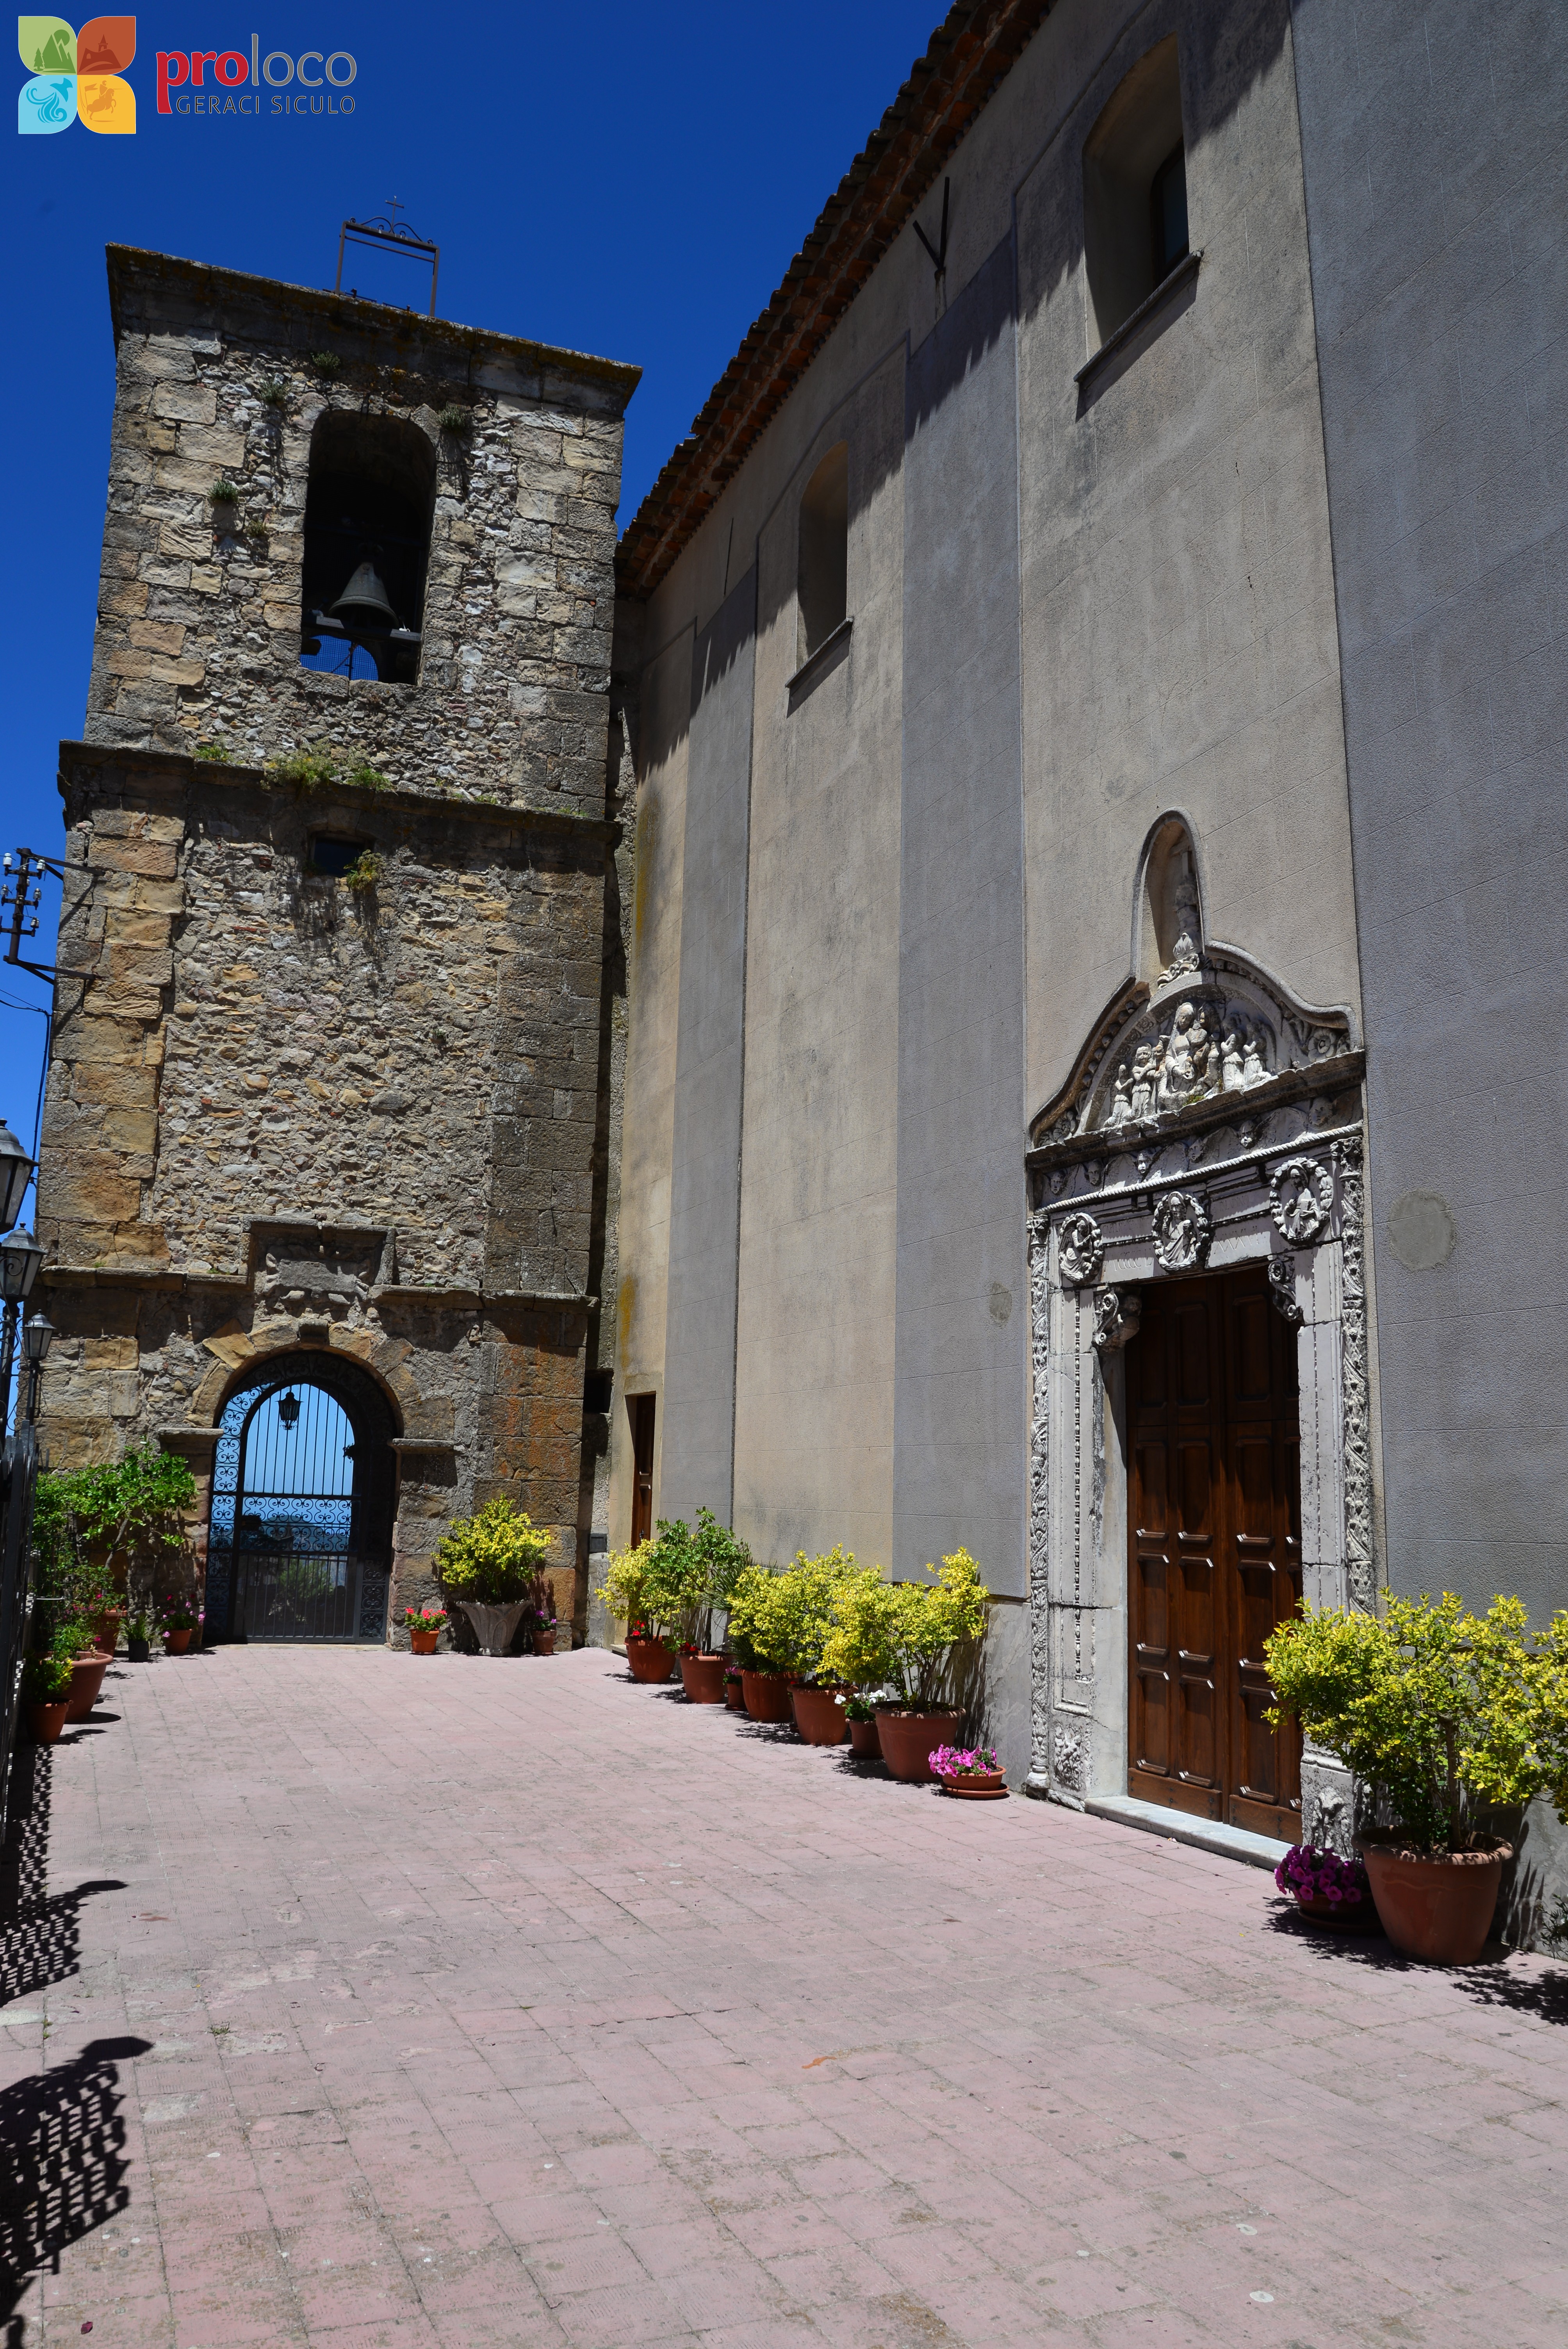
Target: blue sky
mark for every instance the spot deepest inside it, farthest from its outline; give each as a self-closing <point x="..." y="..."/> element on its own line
<point x="621" y="180"/>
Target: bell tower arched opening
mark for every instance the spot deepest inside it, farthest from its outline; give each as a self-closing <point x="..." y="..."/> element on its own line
<point x="303" y="1496"/>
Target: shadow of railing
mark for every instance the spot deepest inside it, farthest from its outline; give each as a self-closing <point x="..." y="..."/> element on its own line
<point x="62" y="2135"/>
<point x="40" y="1935"/>
<point x="62" y="2162"/>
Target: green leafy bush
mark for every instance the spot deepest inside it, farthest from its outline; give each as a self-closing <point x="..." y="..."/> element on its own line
<point x="217" y="754"/>
<point x="633" y="1593"/>
<point x="492" y="1557"/>
<point x="782" y="1621"/>
<point x="672" y="1586"/>
<point x="136" y="1504"/>
<point x="363" y="873"/>
<point x="71" y="1640"/>
<point x="1440" y="1713"/>
<point x="46" y="1680"/>
<point x="905" y="1635"/>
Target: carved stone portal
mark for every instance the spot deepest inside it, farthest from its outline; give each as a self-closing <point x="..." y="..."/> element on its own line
<point x="1182" y="1231"/>
<point x="1081" y="1250"/>
<point x="1301" y="1199"/>
<point x="1117" y="1314"/>
<point x="1282" y="1289"/>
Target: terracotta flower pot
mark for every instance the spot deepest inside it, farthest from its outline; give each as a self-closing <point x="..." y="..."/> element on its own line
<point x="44" y="1722"/>
<point x="767" y="1695"/>
<point x="87" y="1679"/>
<point x="864" y="1743"/>
<point x="820" y="1715"/>
<point x="910" y="1739"/>
<point x="424" y="1643"/>
<point x="106" y="1632"/>
<point x="734" y="1695"/>
<point x="1438" y="1910"/>
<point x="702" y="1677"/>
<point x="176" y="1643"/>
<point x="977" y="1785"/>
<point x="652" y="1660"/>
<point x="544" y="1640"/>
<point x="1343" y="1916"/>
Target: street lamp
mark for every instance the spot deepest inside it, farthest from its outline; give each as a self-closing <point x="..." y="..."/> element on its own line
<point x="38" y="1337"/>
<point x="20" y="1257"/>
<point x="15" y="1174"/>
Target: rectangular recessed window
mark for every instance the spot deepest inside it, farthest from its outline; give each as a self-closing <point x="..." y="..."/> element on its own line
<point x="1134" y="191"/>
<point x="331" y="855"/>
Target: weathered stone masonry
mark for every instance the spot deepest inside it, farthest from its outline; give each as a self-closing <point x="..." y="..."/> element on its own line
<point x="287" y="1114"/>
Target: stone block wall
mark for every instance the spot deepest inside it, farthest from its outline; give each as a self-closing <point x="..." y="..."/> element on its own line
<point x="200" y="611"/>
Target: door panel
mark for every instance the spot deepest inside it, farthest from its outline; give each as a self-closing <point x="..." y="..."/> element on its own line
<point x="1214" y="1507"/>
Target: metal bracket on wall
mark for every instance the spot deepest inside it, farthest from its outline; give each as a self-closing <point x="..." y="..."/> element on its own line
<point x="22" y="900"/>
<point x="938" y="250"/>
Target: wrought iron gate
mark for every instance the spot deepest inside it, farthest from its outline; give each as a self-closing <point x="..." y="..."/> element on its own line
<point x="289" y="1550"/>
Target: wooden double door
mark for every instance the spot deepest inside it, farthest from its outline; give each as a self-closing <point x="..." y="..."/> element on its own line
<point x="1214" y="1527"/>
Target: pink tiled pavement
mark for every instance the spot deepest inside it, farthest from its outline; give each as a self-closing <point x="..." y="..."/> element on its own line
<point x="508" y="2002"/>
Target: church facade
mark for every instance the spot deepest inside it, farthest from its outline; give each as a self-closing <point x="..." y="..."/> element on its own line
<point x="1097" y="867"/>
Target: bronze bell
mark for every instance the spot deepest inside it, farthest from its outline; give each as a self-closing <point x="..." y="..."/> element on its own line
<point x="363" y="603"/>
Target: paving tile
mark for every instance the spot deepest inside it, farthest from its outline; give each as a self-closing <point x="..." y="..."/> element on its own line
<point x="857" y="2069"/>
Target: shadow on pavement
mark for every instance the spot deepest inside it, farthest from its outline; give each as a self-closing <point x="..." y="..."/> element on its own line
<point x="62" y="2136"/>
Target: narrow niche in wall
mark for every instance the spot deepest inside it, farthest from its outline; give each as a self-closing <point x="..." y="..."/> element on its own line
<point x="1134" y="192"/>
<point x="369" y="506"/>
<point x="823" y="578"/>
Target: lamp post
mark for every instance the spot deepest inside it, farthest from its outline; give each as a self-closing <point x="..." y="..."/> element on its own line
<point x="20" y="1257"/>
<point x="38" y="1337"/>
<point x="15" y="1174"/>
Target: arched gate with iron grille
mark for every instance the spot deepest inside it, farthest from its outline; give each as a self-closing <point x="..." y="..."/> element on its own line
<point x="300" y="1539"/>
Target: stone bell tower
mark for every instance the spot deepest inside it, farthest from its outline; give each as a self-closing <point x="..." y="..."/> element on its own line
<point x="329" y="1100"/>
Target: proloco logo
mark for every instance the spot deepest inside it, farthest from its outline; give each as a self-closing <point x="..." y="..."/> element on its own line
<point x="76" y="75"/>
<point x="184" y="71"/>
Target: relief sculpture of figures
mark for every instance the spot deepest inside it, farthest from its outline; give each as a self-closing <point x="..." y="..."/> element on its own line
<point x="1202" y="1049"/>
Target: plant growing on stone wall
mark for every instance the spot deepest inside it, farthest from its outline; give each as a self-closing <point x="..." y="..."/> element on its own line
<point x="906" y="1635"/>
<point x="492" y="1557"/>
<point x="274" y="393"/>
<point x="309" y="767"/>
<point x="366" y="778"/>
<point x="1441" y="1713"/>
<point x="327" y="363"/>
<point x="363" y="873"/>
<point x="457" y="420"/>
<point x="256" y="528"/>
<point x="217" y="754"/>
<point x="222" y="493"/>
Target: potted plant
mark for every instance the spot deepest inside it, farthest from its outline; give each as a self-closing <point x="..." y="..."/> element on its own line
<point x="793" y="1618"/>
<point x="1443" y="1716"/>
<point x="424" y="1625"/>
<point x="971" y="1772"/>
<point x="139" y="1635"/>
<point x="734" y="1688"/>
<point x="489" y="1564"/>
<point x="88" y="1523"/>
<point x="1329" y="1889"/>
<point x="633" y="1592"/>
<point x="179" y="1619"/>
<point x="718" y="1559"/>
<point x="861" y="1713"/>
<point x="906" y="1635"/>
<point x="756" y="1634"/>
<point x="46" y="1695"/>
<point x="73" y="1645"/>
<point x="104" y="1612"/>
<point x="545" y="1627"/>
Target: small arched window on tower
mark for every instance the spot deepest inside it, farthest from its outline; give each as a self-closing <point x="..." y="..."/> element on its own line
<point x="823" y="578"/>
<point x="367" y="512"/>
<point x="1134" y="192"/>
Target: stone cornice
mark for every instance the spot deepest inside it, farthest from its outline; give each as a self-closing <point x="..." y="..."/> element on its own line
<point x="145" y="1279"/>
<point x="143" y="283"/>
<point x="971" y="52"/>
<point x="449" y="807"/>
